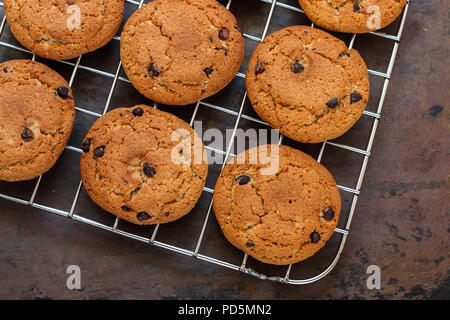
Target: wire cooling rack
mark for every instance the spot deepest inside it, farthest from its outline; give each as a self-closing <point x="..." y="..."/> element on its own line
<point x="60" y="191"/>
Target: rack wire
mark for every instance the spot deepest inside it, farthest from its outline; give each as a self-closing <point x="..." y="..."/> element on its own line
<point x="151" y="239"/>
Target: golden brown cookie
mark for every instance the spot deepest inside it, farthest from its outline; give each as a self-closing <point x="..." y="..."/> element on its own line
<point x="307" y="84"/>
<point x="36" y="118"/>
<point x="352" y="16"/>
<point x="63" y="29"/>
<point x="278" y="217"/>
<point x="143" y="165"/>
<point x="177" y="52"/>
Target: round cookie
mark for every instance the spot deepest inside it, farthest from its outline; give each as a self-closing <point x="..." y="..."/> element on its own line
<point x="63" y="29"/>
<point x="37" y="113"/>
<point x="177" y="52"/>
<point x="307" y="84"/>
<point x="144" y="165"/>
<point x="280" y="216"/>
<point x="352" y="16"/>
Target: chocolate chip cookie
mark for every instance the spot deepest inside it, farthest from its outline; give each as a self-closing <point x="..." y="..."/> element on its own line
<point x="280" y="216"/>
<point x="37" y="113"/>
<point x="307" y="84"/>
<point x="63" y="29"/>
<point x="354" y="16"/>
<point x="178" y="52"/>
<point x="144" y="165"/>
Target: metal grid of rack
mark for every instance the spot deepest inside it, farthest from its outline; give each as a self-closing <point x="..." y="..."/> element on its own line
<point x="151" y="239"/>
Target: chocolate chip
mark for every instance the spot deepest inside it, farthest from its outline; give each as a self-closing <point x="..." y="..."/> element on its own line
<point x="297" y="68"/>
<point x="260" y="68"/>
<point x="250" y="244"/>
<point x="138" y="112"/>
<point x="243" y="180"/>
<point x="208" y="71"/>
<point x="224" y="34"/>
<point x="125" y="208"/>
<point x="142" y="216"/>
<point x="315" y="237"/>
<point x="27" y="134"/>
<point x="153" y="70"/>
<point x="86" y="145"/>
<point x="329" y="214"/>
<point x="332" y="103"/>
<point x="345" y="53"/>
<point x="355" y="97"/>
<point x="5" y="70"/>
<point x="356" y="7"/>
<point x="239" y="29"/>
<point x="63" y="92"/>
<point x="99" y="152"/>
<point x="149" y="171"/>
<point x="167" y="214"/>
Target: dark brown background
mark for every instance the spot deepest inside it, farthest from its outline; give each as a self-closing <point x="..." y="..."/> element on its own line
<point x="401" y="221"/>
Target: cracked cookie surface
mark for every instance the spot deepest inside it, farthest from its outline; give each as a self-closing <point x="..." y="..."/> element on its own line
<point x="63" y="29"/>
<point x="307" y="84"/>
<point x="143" y="165"/>
<point x="278" y="218"/>
<point x="36" y="118"/>
<point x="178" y="52"/>
<point x="352" y="16"/>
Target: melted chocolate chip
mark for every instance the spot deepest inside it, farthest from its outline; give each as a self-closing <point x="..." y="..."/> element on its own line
<point x="125" y="208"/>
<point x="250" y="244"/>
<point x="208" y="71"/>
<point x="329" y="214"/>
<point x="5" y="70"/>
<point x="243" y="180"/>
<point x="345" y="53"/>
<point x="297" y="67"/>
<point x="99" y="151"/>
<point x="167" y="214"/>
<point x="239" y="29"/>
<point x="27" y="134"/>
<point x="260" y="68"/>
<point x="143" y="216"/>
<point x="149" y="171"/>
<point x="356" y="7"/>
<point x="138" y="112"/>
<point x="153" y="70"/>
<point x="315" y="237"/>
<point x="355" y="97"/>
<point x="224" y="34"/>
<point x="86" y="145"/>
<point x="332" y="103"/>
<point x="63" y="92"/>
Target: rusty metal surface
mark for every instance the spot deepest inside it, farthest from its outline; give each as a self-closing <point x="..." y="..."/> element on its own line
<point x="401" y="220"/>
